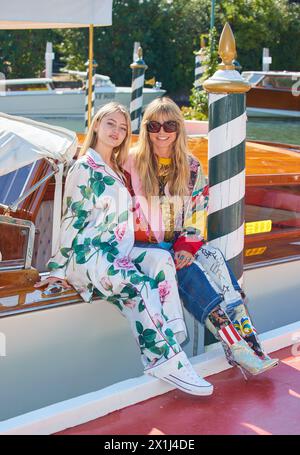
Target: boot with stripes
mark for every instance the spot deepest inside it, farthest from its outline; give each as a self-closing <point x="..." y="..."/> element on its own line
<point x="237" y="350"/>
<point x="243" y="324"/>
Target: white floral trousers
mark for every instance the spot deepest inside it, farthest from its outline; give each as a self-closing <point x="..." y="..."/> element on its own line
<point x="150" y="302"/>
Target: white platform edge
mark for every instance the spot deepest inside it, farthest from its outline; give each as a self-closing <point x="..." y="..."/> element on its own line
<point x="82" y="409"/>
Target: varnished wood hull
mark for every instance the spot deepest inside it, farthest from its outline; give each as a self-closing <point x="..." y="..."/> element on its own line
<point x="268" y="102"/>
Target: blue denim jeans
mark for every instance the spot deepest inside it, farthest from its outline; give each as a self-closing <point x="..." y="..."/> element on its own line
<point x="198" y="295"/>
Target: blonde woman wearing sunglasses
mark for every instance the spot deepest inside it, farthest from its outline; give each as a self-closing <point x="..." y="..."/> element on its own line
<point x="171" y="199"/>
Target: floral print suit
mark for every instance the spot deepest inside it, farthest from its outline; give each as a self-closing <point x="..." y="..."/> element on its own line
<point x="96" y="255"/>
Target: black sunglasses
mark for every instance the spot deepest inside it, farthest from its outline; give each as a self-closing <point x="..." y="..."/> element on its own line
<point x="169" y="127"/>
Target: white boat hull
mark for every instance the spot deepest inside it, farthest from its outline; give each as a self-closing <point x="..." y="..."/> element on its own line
<point x="63" y="103"/>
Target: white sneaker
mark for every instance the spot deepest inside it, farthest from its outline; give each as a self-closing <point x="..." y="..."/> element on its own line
<point x="179" y="372"/>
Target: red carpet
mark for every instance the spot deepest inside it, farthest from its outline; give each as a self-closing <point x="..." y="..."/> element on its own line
<point x="263" y="405"/>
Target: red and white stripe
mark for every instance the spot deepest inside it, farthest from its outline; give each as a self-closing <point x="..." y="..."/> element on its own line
<point x="229" y="334"/>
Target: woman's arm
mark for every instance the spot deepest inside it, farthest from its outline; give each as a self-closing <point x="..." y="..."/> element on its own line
<point x="77" y="206"/>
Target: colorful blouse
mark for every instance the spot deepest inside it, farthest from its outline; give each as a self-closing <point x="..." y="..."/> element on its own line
<point x="184" y="224"/>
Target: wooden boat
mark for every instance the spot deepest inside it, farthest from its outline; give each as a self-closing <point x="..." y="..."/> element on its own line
<point x="273" y="94"/>
<point x="56" y="350"/>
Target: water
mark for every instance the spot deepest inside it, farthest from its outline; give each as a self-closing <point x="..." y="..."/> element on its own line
<point x="285" y="131"/>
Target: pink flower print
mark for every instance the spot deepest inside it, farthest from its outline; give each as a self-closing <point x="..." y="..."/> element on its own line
<point x="92" y="163"/>
<point x="106" y="283"/>
<point x="120" y="231"/>
<point x="105" y="202"/>
<point x="130" y="303"/>
<point x="164" y="290"/>
<point x="124" y="263"/>
<point x="158" y="320"/>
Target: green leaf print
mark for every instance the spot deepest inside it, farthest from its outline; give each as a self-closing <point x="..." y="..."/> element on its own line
<point x="77" y="248"/>
<point x="53" y="266"/>
<point x="109" y="218"/>
<point x="65" y="252"/>
<point x="140" y="258"/>
<point x="69" y="201"/>
<point x="118" y="304"/>
<point x="155" y="350"/>
<point x="136" y="279"/>
<point x="98" y="175"/>
<point x="149" y="335"/>
<point x="99" y="293"/>
<point x="82" y="213"/>
<point x="80" y="258"/>
<point x="79" y="224"/>
<point x="153" y="283"/>
<point x="141" y="340"/>
<point x="149" y="344"/>
<point x="111" y="271"/>
<point x="165" y="348"/>
<point x="129" y="291"/>
<point x="160" y="277"/>
<point x="123" y="217"/>
<point x="139" y="327"/>
<point x="76" y="206"/>
<point x="169" y="333"/>
<point x="110" y="257"/>
<point x="98" y="187"/>
<point x="74" y="243"/>
<point x="86" y="191"/>
<point x="141" y="306"/>
<point x="97" y="241"/>
<point x="108" y="180"/>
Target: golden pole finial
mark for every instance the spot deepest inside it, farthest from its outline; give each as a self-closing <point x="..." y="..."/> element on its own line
<point x="140" y="53"/>
<point x="227" y="48"/>
<point x="226" y="79"/>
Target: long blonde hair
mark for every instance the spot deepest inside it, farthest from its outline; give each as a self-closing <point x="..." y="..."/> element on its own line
<point x="120" y="153"/>
<point x="145" y="160"/>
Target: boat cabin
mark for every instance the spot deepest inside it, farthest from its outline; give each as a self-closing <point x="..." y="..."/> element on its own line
<point x="273" y="94"/>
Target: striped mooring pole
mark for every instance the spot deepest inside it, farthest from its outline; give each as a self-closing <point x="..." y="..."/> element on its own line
<point x="138" y="77"/>
<point x="89" y="114"/>
<point x="199" y="67"/>
<point x="226" y="155"/>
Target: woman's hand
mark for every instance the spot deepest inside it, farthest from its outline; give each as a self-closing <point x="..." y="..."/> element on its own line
<point x="52" y="280"/>
<point x="183" y="259"/>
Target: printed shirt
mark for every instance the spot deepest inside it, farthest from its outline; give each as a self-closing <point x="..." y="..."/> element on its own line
<point x="182" y="224"/>
<point x="97" y="226"/>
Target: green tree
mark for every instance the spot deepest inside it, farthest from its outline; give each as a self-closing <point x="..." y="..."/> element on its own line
<point x="169" y="32"/>
<point x="25" y="50"/>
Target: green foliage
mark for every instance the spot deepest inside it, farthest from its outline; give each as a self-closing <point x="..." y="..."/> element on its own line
<point x="169" y="33"/>
<point x="199" y="97"/>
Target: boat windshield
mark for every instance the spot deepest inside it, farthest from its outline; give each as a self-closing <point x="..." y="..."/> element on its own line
<point x="253" y="78"/>
<point x="280" y="82"/>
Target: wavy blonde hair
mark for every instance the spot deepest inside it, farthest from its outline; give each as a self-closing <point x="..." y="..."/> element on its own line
<point x="145" y="159"/>
<point x="120" y="153"/>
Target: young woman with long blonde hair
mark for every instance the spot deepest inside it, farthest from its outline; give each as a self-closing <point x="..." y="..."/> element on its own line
<point x="96" y="253"/>
<point x="170" y="212"/>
